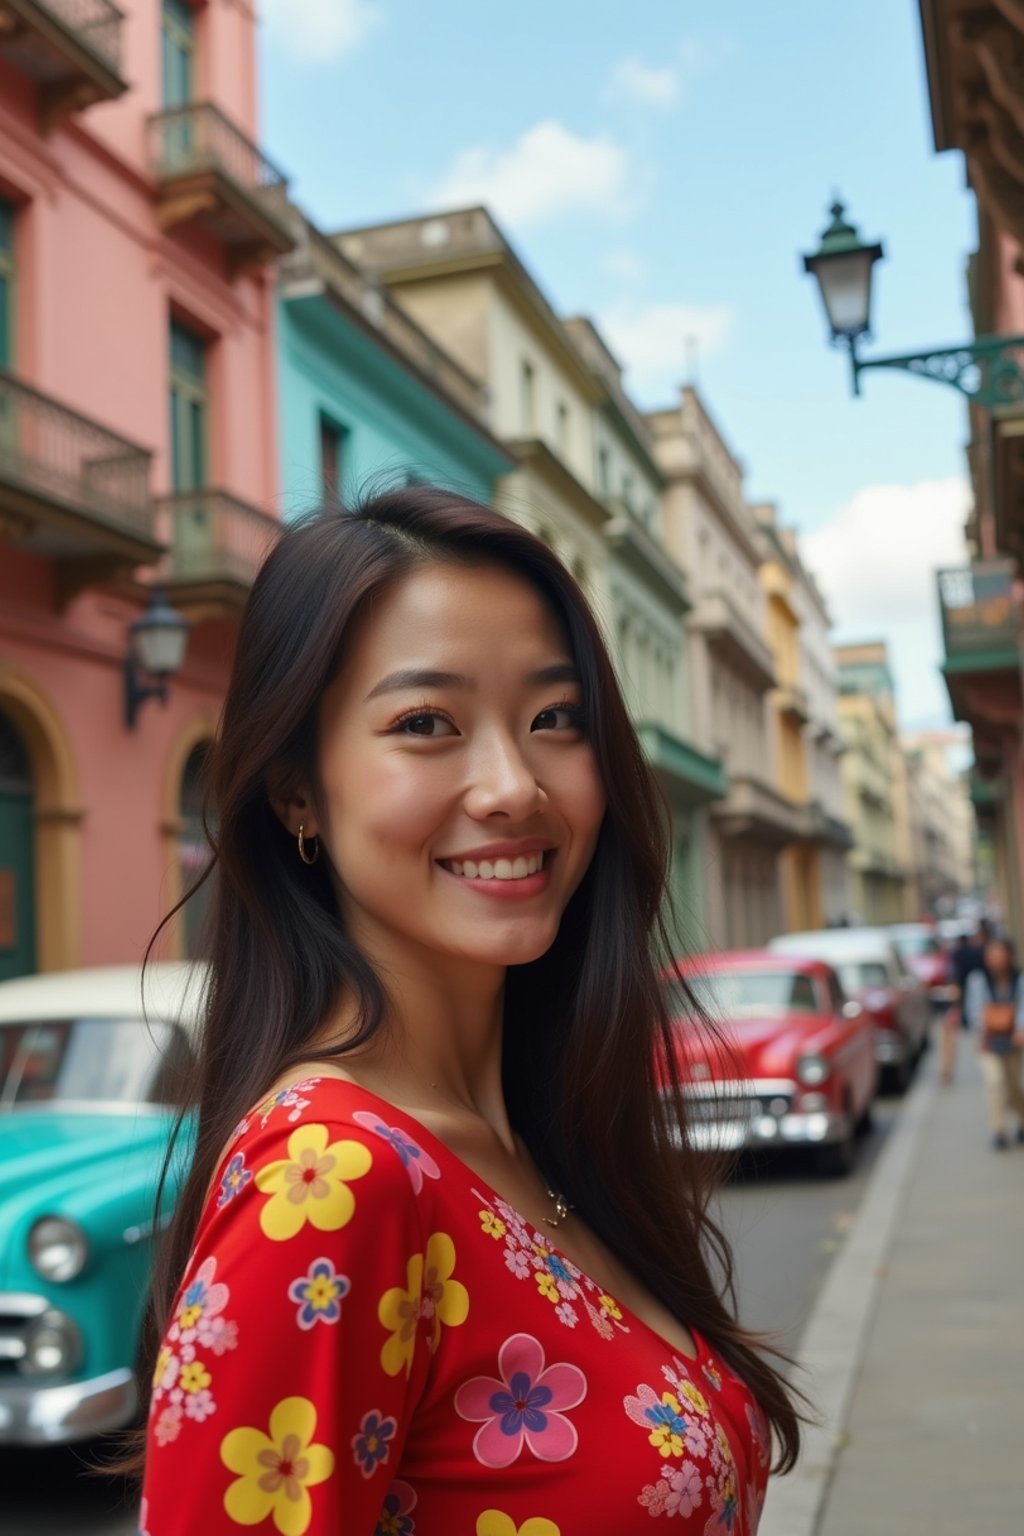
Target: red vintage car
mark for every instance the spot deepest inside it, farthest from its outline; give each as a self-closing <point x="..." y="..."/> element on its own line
<point x="790" y="1060"/>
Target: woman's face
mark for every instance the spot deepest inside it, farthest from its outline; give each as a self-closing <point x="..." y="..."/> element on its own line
<point x="461" y="798"/>
<point x="997" y="957"/>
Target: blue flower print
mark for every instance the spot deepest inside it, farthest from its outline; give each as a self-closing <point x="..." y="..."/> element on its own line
<point x="371" y="1447"/>
<point x="233" y="1180"/>
<point x="520" y="1407"/>
<point x="319" y="1293"/>
<point x="664" y="1417"/>
<point x="395" y="1518"/>
<point x="416" y="1162"/>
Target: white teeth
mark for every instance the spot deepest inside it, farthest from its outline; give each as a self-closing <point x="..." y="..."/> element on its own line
<point x="499" y="869"/>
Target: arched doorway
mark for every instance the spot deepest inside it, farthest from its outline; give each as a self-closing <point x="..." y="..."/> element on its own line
<point x="193" y="845"/>
<point x="17" y="855"/>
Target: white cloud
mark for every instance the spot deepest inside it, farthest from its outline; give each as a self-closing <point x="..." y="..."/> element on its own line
<point x="875" y="560"/>
<point x="320" y="31"/>
<point x="654" y="86"/>
<point x="549" y="170"/>
<point x="658" y="343"/>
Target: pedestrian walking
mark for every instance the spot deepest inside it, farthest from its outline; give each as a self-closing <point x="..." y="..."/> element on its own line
<point x="968" y="955"/>
<point x="994" y="1007"/>
<point x="439" y="1250"/>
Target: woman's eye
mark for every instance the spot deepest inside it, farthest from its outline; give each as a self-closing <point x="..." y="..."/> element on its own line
<point x="561" y="717"/>
<point x="425" y="724"/>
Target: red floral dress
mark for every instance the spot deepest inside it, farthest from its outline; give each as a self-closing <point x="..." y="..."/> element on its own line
<point x="368" y="1341"/>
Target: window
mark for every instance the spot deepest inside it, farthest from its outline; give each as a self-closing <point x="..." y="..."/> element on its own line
<point x="189" y="409"/>
<point x="528" y="403"/>
<point x="6" y="283"/>
<point x="604" y="476"/>
<point x="562" y="427"/>
<point x="627" y="490"/>
<point x="178" y="53"/>
<point x="332" y="438"/>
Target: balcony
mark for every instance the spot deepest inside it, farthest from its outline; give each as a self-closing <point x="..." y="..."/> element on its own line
<point x="635" y="546"/>
<point x="70" y="48"/>
<point x="753" y="810"/>
<point x="208" y="172"/>
<point x="792" y="704"/>
<point x="980" y="631"/>
<point x="217" y="544"/>
<point x="822" y="828"/>
<point x="719" y="617"/>
<point x="71" y="490"/>
<point x="695" y="779"/>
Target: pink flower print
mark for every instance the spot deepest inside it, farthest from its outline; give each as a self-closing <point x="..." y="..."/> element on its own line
<point x="417" y="1163"/>
<point x="518" y="1262"/>
<point x="759" y="1430"/>
<point x="654" y="1497"/>
<point x="199" y="1405"/>
<point x="696" y="1439"/>
<point x="168" y="1425"/>
<point x="201" y="1301"/>
<point x="217" y="1334"/>
<point x="567" y="1314"/>
<point x="526" y="1406"/>
<point x="143" y="1518"/>
<point x="713" y="1375"/>
<point x="684" y="1489"/>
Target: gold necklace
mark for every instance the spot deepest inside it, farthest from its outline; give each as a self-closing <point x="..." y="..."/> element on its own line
<point x="562" y="1209"/>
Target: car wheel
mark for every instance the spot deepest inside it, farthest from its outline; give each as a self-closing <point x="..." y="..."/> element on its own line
<point x="836" y="1158"/>
<point x="866" y="1119"/>
<point x="897" y="1075"/>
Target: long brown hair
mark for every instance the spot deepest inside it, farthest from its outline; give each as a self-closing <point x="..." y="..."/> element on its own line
<point x="583" y="1024"/>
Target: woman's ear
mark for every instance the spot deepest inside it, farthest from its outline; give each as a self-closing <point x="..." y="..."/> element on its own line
<point x="293" y="807"/>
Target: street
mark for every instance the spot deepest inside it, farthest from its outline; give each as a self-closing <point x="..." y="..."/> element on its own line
<point x="785" y="1224"/>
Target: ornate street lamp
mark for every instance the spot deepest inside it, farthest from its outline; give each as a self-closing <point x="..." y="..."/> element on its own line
<point x="989" y="370"/>
<point x="156" y="648"/>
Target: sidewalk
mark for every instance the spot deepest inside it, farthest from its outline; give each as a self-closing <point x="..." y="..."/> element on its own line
<point x="915" y="1353"/>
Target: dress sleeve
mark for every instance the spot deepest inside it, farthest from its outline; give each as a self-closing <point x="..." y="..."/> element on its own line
<point x="293" y="1360"/>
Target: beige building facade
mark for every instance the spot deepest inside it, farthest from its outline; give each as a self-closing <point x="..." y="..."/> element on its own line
<point x="711" y="531"/>
<point x="942" y="823"/>
<point x="874" y="786"/>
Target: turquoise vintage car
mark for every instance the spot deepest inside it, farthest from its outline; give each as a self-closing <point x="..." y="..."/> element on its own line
<point x="89" y="1079"/>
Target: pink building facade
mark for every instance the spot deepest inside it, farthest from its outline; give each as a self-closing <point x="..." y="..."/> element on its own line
<point x="139" y="223"/>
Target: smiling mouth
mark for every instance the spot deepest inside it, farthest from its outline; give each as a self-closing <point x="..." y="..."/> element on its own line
<point x="498" y="869"/>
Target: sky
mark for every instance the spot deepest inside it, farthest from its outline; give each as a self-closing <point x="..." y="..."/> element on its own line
<point x="661" y="167"/>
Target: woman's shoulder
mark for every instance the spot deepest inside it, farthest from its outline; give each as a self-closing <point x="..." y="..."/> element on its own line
<point x="317" y="1125"/>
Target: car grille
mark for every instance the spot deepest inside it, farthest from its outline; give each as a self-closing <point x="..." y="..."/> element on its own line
<point x="16" y="1315"/>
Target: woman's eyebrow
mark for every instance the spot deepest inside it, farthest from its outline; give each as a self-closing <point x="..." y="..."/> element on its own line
<point x="426" y="677"/>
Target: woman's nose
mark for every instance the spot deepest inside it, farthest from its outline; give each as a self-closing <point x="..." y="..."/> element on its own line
<point x="503" y="783"/>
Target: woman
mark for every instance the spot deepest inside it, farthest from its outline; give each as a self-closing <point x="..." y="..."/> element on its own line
<point x="994" y="1009"/>
<point x="439" y="1266"/>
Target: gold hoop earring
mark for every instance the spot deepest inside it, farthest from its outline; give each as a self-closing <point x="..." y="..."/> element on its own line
<point x="304" y="855"/>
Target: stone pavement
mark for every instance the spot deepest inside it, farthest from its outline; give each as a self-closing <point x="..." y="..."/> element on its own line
<point x="915" y="1354"/>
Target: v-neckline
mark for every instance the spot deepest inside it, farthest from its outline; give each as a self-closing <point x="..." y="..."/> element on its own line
<point x="470" y="1173"/>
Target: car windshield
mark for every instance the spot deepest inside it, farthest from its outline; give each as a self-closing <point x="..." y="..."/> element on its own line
<point x="91" y="1061"/>
<point x="915" y="944"/>
<point x="731" y="993"/>
<point x="856" y="975"/>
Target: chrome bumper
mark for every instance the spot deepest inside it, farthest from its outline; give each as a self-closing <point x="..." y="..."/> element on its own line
<point x="762" y="1115"/>
<point x="890" y="1048"/>
<point x="32" y="1413"/>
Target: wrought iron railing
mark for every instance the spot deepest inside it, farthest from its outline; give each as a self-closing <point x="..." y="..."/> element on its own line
<point x="198" y="137"/>
<point x="94" y="24"/>
<point x="51" y="452"/>
<point x="215" y="536"/>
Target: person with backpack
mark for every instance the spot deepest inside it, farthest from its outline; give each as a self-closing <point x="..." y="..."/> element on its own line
<point x="994" y="1010"/>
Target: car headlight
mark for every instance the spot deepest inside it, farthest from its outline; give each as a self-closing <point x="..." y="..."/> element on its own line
<point x="53" y="1346"/>
<point x="812" y="1070"/>
<point x="58" y="1248"/>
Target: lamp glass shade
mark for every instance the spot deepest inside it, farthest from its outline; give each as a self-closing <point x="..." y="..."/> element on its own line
<point x="160" y="638"/>
<point x="843" y="266"/>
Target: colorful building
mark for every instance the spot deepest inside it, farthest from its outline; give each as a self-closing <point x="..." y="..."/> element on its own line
<point x="138" y="219"/>
<point x="711" y="531"/>
<point x="367" y="397"/>
<point x="873" y="785"/>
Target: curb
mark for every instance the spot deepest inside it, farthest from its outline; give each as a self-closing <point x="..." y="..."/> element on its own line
<point x="833" y="1344"/>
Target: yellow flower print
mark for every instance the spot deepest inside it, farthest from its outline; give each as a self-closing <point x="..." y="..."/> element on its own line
<point x="493" y="1522"/>
<point x="189" y="1316"/>
<point x="399" y="1311"/>
<point x="194" y="1377"/>
<point x="670" y="1426"/>
<point x="610" y="1307"/>
<point x="444" y="1300"/>
<point x="163" y="1360"/>
<point x="723" y="1443"/>
<point x="492" y="1225"/>
<point x="546" y="1285"/>
<point x="277" y="1470"/>
<point x="696" y="1399"/>
<point x="309" y="1184"/>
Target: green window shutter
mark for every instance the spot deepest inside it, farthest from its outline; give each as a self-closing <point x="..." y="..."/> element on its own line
<point x="189" y="405"/>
